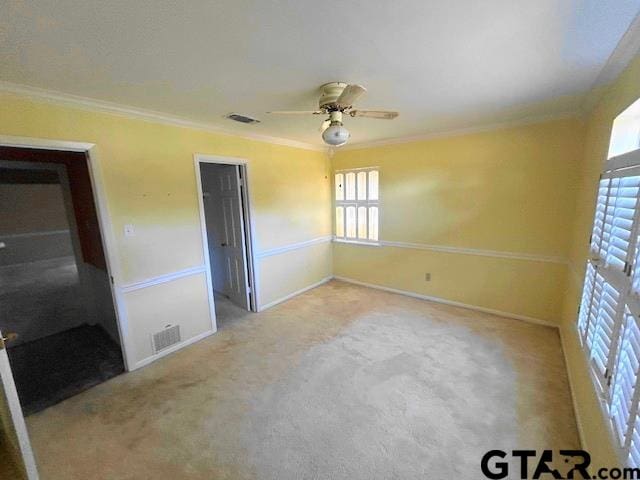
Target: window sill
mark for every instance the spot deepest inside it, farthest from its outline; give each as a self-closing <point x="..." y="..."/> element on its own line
<point x="357" y="242"/>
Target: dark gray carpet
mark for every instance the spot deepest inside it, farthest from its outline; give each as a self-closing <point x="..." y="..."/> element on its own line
<point x="53" y="368"/>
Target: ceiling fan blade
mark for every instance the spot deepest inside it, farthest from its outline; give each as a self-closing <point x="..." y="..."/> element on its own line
<point x="350" y="94"/>
<point x="326" y="124"/>
<point x="297" y="112"/>
<point x="379" y="114"/>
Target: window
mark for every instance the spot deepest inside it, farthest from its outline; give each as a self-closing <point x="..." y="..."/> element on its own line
<point x="625" y="134"/>
<point x="357" y="204"/>
<point x="609" y="313"/>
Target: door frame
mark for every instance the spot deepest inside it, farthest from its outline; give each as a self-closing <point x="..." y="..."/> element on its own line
<point x="104" y="222"/>
<point x="247" y="219"/>
<point x="24" y="448"/>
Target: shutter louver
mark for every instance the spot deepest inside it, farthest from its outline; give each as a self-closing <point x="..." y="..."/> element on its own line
<point x="635" y="261"/>
<point x="635" y="282"/>
<point x="598" y="220"/>
<point x="585" y="303"/>
<point x="598" y="286"/>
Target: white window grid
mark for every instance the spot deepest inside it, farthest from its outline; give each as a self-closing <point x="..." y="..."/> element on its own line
<point x="361" y="204"/>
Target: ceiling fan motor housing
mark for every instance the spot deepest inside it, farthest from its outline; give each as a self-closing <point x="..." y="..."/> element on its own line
<point x="335" y="117"/>
<point x="329" y="93"/>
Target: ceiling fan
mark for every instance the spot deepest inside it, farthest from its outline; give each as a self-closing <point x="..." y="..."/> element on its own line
<point x="336" y="100"/>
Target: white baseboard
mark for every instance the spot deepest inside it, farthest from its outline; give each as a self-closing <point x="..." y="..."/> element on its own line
<point x="574" y="400"/>
<point x="291" y="295"/>
<point x="172" y="349"/>
<point x="444" y="301"/>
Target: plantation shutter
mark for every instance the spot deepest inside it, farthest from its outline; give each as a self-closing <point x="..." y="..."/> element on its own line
<point x="357" y="205"/>
<point x="609" y="313"/>
<point x="613" y="223"/>
<point x="624" y="400"/>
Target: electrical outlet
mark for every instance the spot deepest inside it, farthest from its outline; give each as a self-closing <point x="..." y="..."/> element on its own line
<point x="427" y="277"/>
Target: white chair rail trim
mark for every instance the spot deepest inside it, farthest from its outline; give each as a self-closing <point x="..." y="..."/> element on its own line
<point x="150" y="282"/>
<point x="465" y="251"/>
<point x="294" y="246"/>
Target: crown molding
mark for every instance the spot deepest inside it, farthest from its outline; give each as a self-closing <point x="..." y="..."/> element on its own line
<point x="626" y="49"/>
<point x="462" y="131"/>
<point x="100" y="106"/>
<point x="621" y="56"/>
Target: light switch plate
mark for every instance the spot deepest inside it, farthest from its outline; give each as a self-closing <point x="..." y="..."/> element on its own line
<point x="129" y="230"/>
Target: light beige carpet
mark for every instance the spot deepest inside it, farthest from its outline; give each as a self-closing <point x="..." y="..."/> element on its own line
<point x="342" y="382"/>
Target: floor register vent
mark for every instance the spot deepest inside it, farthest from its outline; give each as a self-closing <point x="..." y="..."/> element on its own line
<point x="166" y="338"/>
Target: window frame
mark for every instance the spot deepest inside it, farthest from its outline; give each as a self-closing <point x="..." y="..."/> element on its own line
<point x="357" y="204"/>
<point x="626" y="165"/>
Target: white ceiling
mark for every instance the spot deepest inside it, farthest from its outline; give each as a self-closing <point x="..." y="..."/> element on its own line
<point x="444" y="64"/>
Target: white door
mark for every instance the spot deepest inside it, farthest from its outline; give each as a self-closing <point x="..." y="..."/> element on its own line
<point x="16" y="456"/>
<point x="225" y="231"/>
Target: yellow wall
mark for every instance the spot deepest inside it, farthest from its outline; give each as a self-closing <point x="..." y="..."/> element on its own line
<point x="509" y="191"/>
<point x="615" y="98"/>
<point x="149" y="179"/>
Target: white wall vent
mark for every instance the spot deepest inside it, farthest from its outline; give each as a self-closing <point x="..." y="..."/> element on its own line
<point x="166" y="338"/>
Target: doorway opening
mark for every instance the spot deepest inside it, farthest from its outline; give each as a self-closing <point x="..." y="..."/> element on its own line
<point x="58" y="312"/>
<point x="227" y="236"/>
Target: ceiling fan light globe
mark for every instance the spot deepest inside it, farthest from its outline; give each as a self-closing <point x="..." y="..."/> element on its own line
<point x="336" y="135"/>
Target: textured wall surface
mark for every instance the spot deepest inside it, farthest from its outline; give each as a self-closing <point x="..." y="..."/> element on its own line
<point x="508" y="191"/>
<point x="149" y="179"/>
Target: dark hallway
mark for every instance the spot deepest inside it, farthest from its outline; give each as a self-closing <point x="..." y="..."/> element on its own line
<point x="56" y="305"/>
